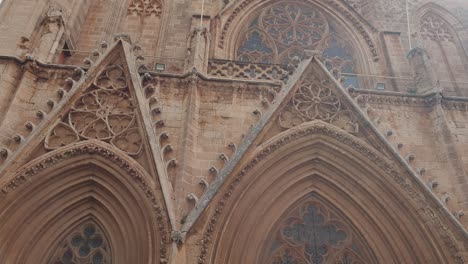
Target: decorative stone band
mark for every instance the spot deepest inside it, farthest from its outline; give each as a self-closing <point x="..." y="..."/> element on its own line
<point x="429" y="213"/>
<point x="413" y="100"/>
<point x="93" y="147"/>
<point x="252" y="71"/>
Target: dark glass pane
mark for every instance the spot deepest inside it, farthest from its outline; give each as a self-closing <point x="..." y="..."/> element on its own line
<point x="67" y="257"/>
<point x="89" y="231"/>
<point x="77" y="241"/>
<point x="97" y="258"/>
<point x="84" y="251"/>
<point x="96" y="242"/>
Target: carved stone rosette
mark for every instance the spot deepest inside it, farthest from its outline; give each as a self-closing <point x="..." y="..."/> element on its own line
<point x="315" y="100"/>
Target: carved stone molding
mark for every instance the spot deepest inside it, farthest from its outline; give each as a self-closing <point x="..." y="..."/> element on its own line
<point x="364" y="97"/>
<point x="27" y="175"/>
<point x="426" y="209"/>
<point x="145" y="7"/>
<point x="251" y="71"/>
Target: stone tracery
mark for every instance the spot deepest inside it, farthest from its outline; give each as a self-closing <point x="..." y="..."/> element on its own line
<point x="286" y="30"/>
<point x="86" y="244"/>
<point x="105" y="112"/>
<point x="435" y="28"/>
<point x="145" y="7"/>
<point x="315" y="100"/>
<point x="312" y="236"/>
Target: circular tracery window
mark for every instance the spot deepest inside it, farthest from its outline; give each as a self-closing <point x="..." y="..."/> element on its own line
<point x="284" y="31"/>
<point x="294" y="24"/>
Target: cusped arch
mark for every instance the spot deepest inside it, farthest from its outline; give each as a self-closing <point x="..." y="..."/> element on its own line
<point x="234" y="20"/>
<point x="319" y="159"/>
<point x="86" y="181"/>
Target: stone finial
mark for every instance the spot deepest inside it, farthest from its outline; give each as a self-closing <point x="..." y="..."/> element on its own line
<point x="204" y="184"/>
<point x="458" y="214"/>
<point x="223" y="157"/>
<point x="123" y="37"/>
<point x="192" y="198"/>
<point x="232" y="146"/>
<point x="4" y="153"/>
<point x="166" y="149"/>
<point x="29" y="126"/>
<point x="433" y="184"/>
<point x="164" y="136"/>
<point x="213" y="171"/>
<point x="160" y="123"/>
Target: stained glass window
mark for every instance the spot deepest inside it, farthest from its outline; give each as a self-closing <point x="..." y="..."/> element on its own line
<point x="283" y="32"/>
<point x="86" y="244"/>
<point x="338" y="60"/>
<point x="313" y="236"/>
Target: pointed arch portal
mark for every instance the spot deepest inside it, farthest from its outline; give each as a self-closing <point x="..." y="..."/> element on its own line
<point x="317" y="194"/>
<point x="84" y="202"/>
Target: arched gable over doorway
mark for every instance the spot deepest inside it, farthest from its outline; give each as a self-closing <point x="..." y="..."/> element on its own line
<point x="395" y="222"/>
<point x="66" y="191"/>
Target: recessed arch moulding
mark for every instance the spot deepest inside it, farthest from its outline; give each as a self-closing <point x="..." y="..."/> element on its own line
<point x="85" y="201"/>
<point x="231" y="23"/>
<point x="359" y="195"/>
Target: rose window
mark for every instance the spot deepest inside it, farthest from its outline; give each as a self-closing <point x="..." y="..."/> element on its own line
<point x="283" y="32"/>
<point x="294" y="24"/>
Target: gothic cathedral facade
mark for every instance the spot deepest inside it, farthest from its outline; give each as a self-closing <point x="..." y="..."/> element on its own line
<point x="233" y="131"/>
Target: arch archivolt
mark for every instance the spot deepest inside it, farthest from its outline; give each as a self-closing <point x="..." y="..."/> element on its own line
<point x="319" y="162"/>
<point x="74" y="185"/>
<point x="234" y="20"/>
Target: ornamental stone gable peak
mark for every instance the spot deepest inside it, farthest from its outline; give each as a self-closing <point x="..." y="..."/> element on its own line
<point x="104" y="103"/>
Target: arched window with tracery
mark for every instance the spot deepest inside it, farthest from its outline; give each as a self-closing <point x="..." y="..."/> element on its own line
<point x="285" y="31"/>
<point x="443" y="45"/>
<point x="313" y="234"/>
<point x="85" y="244"/>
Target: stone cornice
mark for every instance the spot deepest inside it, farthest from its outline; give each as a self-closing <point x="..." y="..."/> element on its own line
<point x="411" y="100"/>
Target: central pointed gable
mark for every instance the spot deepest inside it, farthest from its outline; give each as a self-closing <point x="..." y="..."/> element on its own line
<point x="316" y="95"/>
<point x="313" y="97"/>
